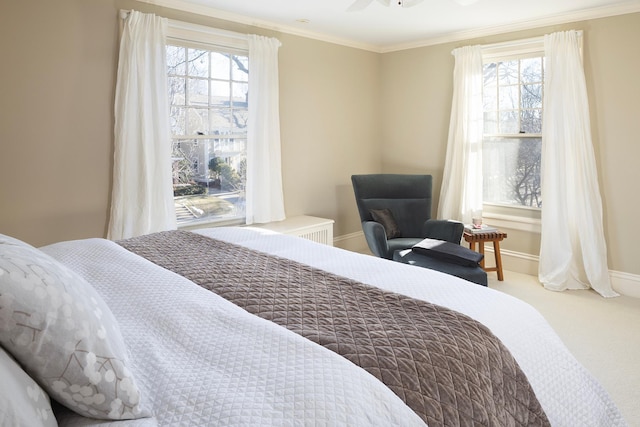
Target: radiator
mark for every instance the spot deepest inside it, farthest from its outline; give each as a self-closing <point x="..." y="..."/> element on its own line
<point x="319" y="230"/>
<point x="320" y="234"/>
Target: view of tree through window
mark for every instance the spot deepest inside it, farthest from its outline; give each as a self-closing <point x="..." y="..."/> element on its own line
<point x="513" y="94"/>
<point x="208" y="93"/>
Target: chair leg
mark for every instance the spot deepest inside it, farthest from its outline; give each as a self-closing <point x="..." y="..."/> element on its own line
<point x="496" y="250"/>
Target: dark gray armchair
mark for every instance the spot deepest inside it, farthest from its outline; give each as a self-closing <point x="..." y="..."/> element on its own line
<point x="403" y="201"/>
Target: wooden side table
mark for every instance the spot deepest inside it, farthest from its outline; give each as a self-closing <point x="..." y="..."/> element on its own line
<point x="493" y="236"/>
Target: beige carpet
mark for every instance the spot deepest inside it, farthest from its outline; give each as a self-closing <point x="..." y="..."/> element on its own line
<point x="603" y="334"/>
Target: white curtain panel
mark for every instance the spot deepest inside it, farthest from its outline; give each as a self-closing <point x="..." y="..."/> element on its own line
<point x="573" y="253"/>
<point x="142" y="198"/>
<point x="461" y="191"/>
<point x="265" y="200"/>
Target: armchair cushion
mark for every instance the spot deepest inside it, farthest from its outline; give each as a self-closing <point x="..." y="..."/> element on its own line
<point x="447" y="251"/>
<point x="385" y="217"/>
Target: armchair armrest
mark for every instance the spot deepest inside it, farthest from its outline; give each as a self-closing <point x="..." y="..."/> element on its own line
<point x="376" y="238"/>
<point x="442" y="229"/>
<point x="449" y="252"/>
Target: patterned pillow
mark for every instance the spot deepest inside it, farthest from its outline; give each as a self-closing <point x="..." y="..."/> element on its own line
<point x="22" y="401"/>
<point x="63" y="334"/>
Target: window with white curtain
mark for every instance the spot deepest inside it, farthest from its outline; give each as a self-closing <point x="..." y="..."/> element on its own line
<point x="208" y="81"/>
<point x="513" y="99"/>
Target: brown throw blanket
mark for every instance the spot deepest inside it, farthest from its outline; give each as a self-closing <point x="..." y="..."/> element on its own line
<point x="450" y="369"/>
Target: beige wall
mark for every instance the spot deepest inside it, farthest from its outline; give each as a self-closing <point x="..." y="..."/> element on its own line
<point x="612" y="62"/>
<point x="56" y="98"/>
<point x="343" y="111"/>
<point x="416" y="105"/>
<point x="330" y="127"/>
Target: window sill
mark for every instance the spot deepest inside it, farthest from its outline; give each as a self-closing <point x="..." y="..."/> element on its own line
<point x="195" y="225"/>
<point x="531" y="225"/>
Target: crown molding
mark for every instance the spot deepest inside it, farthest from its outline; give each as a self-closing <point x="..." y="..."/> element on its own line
<point x="583" y="15"/>
<point x="211" y="12"/>
<point x="632" y="6"/>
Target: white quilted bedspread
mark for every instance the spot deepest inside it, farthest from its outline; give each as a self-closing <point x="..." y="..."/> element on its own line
<point x="203" y="361"/>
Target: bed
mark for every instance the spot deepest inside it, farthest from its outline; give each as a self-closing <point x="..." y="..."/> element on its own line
<point x="171" y="350"/>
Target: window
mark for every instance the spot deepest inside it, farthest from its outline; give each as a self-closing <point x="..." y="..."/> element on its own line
<point x="208" y="90"/>
<point x="513" y="98"/>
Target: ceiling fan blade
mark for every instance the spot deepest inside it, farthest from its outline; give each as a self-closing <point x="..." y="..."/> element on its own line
<point x="359" y="5"/>
<point x="410" y="3"/>
<point x="386" y="3"/>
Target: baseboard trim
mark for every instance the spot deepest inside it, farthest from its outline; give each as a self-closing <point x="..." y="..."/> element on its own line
<point x="518" y="262"/>
<point x="624" y="283"/>
<point x="354" y="242"/>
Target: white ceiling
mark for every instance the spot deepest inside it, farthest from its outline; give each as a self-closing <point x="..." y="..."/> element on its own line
<point x="381" y="28"/>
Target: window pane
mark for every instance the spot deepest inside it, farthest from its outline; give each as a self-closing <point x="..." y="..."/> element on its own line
<point x="209" y="177"/>
<point x="177" y="121"/>
<point x="197" y="92"/>
<point x="509" y="122"/>
<point x="508" y="73"/>
<point x="511" y="173"/>
<point x="531" y="96"/>
<point x="184" y="161"/>
<point x="197" y="121"/>
<point x="490" y="74"/>
<point x="176" y="60"/>
<point x="509" y="97"/>
<point x="198" y="63"/>
<point x="177" y="88"/>
<point x="219" y="121"/>
<point x="531" y="70"/>
<point x="220" y="94"/>
<point x="240" y="92"/>
<point x="240" y="121"/>
<point x="531" y="121"/>
<point x="220" y="66"/>
<point x="240" y="68"/>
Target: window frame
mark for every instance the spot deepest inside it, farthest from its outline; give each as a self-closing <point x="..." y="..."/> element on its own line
<point x="195" y="36"/>
<point x="524" y="218"/>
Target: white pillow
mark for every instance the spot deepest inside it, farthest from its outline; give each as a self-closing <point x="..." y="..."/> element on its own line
<point x="64" y="335"/>
<point x="22" y="401"/>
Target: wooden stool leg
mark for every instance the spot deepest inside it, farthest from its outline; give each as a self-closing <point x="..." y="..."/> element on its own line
<point x="496" y="249"/>
<point x="481" y="250"/>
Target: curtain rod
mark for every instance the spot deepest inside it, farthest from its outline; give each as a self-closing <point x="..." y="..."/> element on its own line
<point x="180" y="25"/>
<point x="519" y="43"/>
